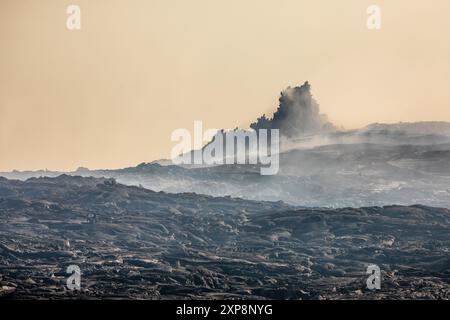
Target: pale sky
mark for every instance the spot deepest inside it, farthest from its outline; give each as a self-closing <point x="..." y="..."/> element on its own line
<point x="109" y="95"/>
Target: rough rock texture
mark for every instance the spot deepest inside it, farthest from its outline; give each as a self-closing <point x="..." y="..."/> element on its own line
<point x="343" y="175"/>
<point x="134" y="243"/>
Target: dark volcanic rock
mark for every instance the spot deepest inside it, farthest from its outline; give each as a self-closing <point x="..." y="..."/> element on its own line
<point x="135" y="243"/>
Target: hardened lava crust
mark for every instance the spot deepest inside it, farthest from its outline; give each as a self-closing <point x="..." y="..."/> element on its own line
<point x="133" y="243"/>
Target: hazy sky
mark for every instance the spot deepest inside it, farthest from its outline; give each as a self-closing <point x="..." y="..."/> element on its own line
<point x="109" y="95"/>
